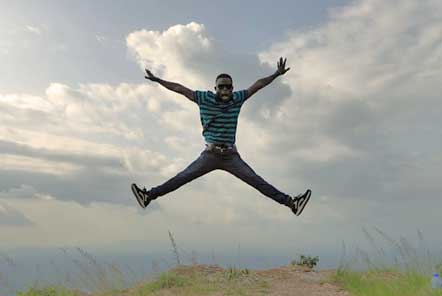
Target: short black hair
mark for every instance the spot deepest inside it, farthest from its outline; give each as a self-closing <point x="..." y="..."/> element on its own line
<point x="223" y="75"/>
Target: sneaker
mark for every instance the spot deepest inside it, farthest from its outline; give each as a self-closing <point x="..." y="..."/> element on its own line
<point x="298" y="203"/>
<point x="141" y="194"/>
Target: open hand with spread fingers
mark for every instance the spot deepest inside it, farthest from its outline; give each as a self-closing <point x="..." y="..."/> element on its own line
<point x="281" y="66"/>
<point x="150" y="76"/>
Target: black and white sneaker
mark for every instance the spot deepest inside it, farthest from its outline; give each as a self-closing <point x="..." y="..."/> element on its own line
<point x="298" y="203"/>
<point x="141" y="194"/>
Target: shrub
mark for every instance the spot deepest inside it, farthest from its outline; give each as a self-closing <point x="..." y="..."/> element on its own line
<point x="306" y="261"/>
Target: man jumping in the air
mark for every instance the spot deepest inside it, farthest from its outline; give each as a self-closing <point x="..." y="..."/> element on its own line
<point x="219" y="116"/>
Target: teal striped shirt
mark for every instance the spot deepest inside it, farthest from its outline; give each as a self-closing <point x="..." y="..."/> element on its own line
<point x="223" y="128"/>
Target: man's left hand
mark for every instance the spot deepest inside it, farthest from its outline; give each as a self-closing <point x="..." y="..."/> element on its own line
<point x="281" y="66"/>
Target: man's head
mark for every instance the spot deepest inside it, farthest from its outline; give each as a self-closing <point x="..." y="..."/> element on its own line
<point x="224" y="87"/>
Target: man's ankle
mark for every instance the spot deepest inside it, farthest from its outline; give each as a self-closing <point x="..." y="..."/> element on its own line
<point x="151" y="195"/>
<point x="288" y="201"/>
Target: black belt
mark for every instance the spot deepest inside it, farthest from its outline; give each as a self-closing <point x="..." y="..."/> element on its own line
<point x="220" y="147"/>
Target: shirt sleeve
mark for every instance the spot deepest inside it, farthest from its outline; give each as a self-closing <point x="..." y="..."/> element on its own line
<point x="199" y="96"/>
<point x="242" y="95"/>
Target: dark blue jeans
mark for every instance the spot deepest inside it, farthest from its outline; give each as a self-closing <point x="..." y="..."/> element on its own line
<point x="229" y="161"/>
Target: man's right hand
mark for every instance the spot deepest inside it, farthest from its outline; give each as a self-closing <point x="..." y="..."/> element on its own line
<point x="150" y="76"/>
<point x="173" y="86"/>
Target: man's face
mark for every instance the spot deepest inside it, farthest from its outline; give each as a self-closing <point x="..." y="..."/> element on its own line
<point x="224" y="88"/>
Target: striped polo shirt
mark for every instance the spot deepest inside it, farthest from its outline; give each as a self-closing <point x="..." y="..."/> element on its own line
<point x="223" y="128"/>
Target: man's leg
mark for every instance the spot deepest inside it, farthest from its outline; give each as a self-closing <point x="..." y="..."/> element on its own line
<point x="202" y="165"/>
<point x="235" y="165"/>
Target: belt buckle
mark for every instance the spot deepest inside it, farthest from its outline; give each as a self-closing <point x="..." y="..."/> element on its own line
<point x="219" y="148"/>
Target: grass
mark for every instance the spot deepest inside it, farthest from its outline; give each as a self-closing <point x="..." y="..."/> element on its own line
<point x="410" y="274"/>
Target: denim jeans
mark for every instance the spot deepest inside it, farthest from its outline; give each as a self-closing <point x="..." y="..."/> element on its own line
<point x="229" y="161"/>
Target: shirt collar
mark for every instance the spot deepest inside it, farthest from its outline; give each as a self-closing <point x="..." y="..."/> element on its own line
<point x="221" y="101"/>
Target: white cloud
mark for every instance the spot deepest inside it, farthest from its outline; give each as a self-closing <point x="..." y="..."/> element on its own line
<point x="353" y="119"/>
<point x="174" y="50"/>
<point x="58" y="143"/>
<point x="101" y="39"/>
<point x="355" y="54"/>
<point x="32" y="164"/>
<point x="24" y="191"/>
<point x="142" y="160"/>
<point x="96" y="129"/>
<point x="10" y="216"/>
<point x="44" y="196"/>
<point x="26" y="102"/>
<point x="33" y="29"/>
<point x="154" y="105"/>
<point x="360" y="97"/>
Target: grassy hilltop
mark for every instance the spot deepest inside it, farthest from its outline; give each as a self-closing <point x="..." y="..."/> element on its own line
<point x="408" y="275"/>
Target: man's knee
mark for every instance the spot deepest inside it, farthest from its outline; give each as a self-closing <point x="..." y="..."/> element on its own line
<point x="250" y="174"/>
<point x="191" y="174"/>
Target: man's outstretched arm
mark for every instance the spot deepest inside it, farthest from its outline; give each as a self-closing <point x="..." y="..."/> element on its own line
<point x="176" y="87"/>
<point x="266" y="80"/>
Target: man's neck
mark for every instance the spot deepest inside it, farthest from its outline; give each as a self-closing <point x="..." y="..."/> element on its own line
<point x="221" y="100"/>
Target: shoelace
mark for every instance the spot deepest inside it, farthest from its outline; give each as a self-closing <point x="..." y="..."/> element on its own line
<point x="295" y="200"/>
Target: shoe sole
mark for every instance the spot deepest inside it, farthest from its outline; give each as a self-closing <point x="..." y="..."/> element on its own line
<point x="139" y="199"/>
<point x="301" y="207"/>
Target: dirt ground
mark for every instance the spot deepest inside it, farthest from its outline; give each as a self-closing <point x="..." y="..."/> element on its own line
<point x="287" y="280"/>
<point x="284" y="280"/>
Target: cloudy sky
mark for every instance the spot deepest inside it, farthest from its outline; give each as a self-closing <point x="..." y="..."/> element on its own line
<point x="356" y="119"/>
